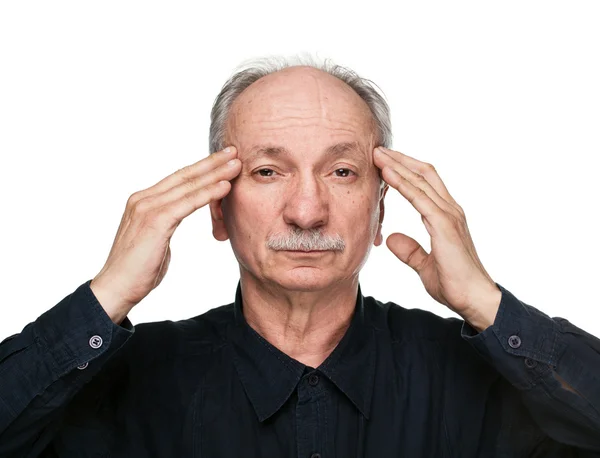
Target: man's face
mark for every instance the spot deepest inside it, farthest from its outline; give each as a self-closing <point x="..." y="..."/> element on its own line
<point x="305" y="140"/>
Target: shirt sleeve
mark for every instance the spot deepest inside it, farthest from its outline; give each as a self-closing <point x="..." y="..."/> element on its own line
<point x="554" y="364"/>
<point x="44" y="366"/>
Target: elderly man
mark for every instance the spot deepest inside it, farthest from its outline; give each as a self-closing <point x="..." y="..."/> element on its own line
<point x="301" y="364"/>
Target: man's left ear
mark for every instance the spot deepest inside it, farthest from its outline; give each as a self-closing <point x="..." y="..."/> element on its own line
<point x="379" y="237"/>
<point x="218" y="224"/>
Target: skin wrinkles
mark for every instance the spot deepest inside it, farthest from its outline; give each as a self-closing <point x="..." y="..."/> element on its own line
<point x="339" y="151"/>
<point x="300" y="304"/>
<point x="336" y="127"/>
<point x="300" y="122"/>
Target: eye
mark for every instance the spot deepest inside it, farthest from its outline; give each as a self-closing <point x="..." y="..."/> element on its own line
<point x="344" y="172"/>
<point x="265" y="172"/>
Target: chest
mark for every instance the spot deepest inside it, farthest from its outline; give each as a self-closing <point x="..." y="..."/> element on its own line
<point x="414" y="411"/>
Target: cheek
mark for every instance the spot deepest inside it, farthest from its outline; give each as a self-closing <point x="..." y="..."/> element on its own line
<point x="247" y="208"/>
<point x="352" y="203"/>
<point x="357" y="212"/>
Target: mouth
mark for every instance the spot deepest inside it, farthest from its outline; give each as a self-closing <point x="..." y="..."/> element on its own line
<point x="306" y="251"/>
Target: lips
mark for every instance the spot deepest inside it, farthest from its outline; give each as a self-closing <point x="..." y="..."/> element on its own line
<point x="306" y="251"/>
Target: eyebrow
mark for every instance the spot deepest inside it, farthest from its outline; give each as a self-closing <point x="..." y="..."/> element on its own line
<point x="339" y="149"/>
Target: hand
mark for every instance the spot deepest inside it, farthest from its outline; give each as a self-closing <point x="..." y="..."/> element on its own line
<point x="140" y="255"/>
<point x="452" y="273"/>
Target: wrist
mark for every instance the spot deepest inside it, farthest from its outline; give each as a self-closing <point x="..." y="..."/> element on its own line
<point x="114" y="308"/>
<point x="483" y="315"/>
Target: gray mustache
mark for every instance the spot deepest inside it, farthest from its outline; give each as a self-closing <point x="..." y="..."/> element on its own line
<point x="305" y="240"/>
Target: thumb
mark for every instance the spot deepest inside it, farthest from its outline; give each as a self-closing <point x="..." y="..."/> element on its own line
<point x="407" y="249"/>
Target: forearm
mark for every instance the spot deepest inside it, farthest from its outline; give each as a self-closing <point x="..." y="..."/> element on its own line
<point x="45" y="365"/>
<point x="554" y="364"/>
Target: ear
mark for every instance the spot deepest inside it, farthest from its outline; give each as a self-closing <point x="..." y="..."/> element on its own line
<point x="218" y="224"/>
<point x="379" y="237"/>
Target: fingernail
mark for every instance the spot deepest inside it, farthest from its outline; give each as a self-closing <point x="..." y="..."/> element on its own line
<point x="227" y="150"/>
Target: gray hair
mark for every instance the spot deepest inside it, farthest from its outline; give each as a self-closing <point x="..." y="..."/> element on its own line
<point x="305" y="240"/>
<point x="254" y="69"/>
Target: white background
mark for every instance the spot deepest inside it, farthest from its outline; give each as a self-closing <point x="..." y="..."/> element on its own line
<point x="101" y="99"/>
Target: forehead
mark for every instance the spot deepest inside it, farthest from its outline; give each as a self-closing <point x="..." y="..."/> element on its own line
<point x="299" y="105"/>
<point x="355" y="150"/>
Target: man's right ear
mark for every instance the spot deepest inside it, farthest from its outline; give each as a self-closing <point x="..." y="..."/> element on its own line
<point x="218" y="224"/>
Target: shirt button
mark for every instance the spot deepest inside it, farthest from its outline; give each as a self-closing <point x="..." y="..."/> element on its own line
<point x="315" y="455"/>
<point x="83" y="366"/>
<point x="313" y="379"/>
<point x="95" y="341"/>
<point x="530" y="363"/>
<point x="514" y="341"/>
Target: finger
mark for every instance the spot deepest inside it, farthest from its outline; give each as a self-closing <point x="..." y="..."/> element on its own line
<point x="408" y="250"/>
<point x="227" y="172"/>
<point x="416" y="196"/>
<point x="423" y="168"/>
<point x="191" y="171"/>
<point x="416" y="180"/>
<point x="180" y="209"/>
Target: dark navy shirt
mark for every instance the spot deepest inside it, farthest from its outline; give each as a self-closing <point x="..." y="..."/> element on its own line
<point x="401" y="383"/>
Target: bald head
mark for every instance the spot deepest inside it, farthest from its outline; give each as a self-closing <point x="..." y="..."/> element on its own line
<point x="300" y="106"/>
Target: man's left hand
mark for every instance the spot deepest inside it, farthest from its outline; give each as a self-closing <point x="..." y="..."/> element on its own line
<point x="452" y="273"/>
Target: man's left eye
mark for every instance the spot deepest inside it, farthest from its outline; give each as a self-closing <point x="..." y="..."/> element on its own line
<point x="343" y="172"/>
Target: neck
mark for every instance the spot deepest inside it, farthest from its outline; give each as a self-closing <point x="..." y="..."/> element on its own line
<point x="305" y="325"/>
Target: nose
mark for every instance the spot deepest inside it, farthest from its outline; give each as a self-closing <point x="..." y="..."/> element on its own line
<point x="307" y="203"/>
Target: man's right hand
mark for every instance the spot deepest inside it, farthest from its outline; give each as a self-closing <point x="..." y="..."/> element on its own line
<point x="140" y="255"/>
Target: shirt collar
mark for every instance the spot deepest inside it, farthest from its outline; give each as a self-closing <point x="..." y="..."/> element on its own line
<point x="269" y="376"/>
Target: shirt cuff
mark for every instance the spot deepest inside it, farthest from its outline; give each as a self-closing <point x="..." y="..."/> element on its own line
<point x="522" y="344"/>
<point x="78" y="331"/>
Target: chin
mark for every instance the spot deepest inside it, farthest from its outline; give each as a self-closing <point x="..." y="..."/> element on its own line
<point x="304" y="279"/>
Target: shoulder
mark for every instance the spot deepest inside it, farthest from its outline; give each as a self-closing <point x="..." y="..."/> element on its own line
<point x="420" y="338"/>
<point x="201" y="334"/>
<point x="404" y="324"/>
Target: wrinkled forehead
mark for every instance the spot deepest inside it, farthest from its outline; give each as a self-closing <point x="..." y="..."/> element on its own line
<point x="300" y="104"/>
